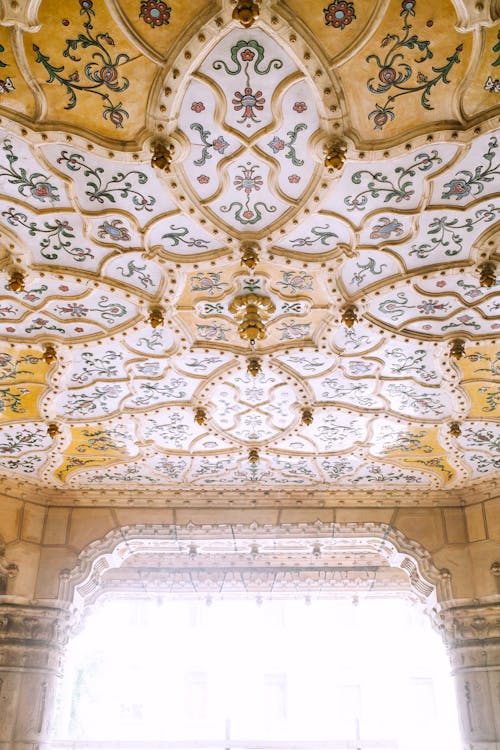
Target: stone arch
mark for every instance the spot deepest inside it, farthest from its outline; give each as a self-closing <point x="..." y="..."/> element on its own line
<point x="290" y="559"/>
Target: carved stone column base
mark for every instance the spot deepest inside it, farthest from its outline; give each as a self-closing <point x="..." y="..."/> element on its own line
<point x="32" y="641"/>
<point x="472" y="635"/>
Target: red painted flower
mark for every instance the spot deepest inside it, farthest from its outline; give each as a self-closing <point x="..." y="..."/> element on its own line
<point x="248" y="101"/>
<point x="155" y="13"/>
<point x="293" y="178"/>
<point x="203" y="179"/>
<point x="339" y="14"/>
<point x="197" y="107"/>
<point x="247" y="55"/>
<point x="299" y="107"/>
<point x="10" y="329"/>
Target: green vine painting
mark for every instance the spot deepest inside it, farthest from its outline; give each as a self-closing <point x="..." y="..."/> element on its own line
<point x="100" y="74"/>
<point x="396" y="75"/>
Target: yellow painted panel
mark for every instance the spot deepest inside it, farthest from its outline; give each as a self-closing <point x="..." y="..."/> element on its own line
<point x="110" y="441"/>
<point x="21" y="365"/>
<point x="91" y="73"/>
<point x="481" y="362"/>
<point x="160" y="22"/>
<point x="72" y="463"/>
<point x="397" y="89"/>
<point x="421" y="441"/>
<point x="15" y="94"/>
<point x="485" y="399"/>
<point x="437" y="464"/>
<point x="20" y="402"/>
<point x="482" y="92"/>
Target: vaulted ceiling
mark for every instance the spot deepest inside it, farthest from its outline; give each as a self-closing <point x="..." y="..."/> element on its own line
<point x="133" y="273"/>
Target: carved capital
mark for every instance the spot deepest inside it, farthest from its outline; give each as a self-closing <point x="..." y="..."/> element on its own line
<point x="33" y="626"/>
<point x="470" y="625"/>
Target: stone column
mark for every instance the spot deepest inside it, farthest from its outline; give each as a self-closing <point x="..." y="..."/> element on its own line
<point x="472" y="635"/>
<point x="32" y="641"/>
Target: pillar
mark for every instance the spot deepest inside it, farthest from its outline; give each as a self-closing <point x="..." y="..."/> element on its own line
<point x="32" y="641"/>
<point x="472" y="635"/>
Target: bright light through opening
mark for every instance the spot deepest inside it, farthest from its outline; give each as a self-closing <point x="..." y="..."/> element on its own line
<point x="277" y="671"/>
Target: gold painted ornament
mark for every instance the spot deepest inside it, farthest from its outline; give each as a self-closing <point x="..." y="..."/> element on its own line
<point x="252" y="309"/>
<point x="16" y="281"/>
<point x="487" y="274"/>
<point x="307" y="416"/>
<point x="457" y="349"/>
<point x="53" y="430"/>
<point x="49" y="354"/>
<point x="335" y="156"/>
<point x="246" y="12"/>
<point x="350" y="316"/>
<point x="249" y="256"/>
<point x="200" y="416"/>
<point x="254" y="367"/>
<point x="253" y="455"/>
<point x="455" y="429"/>
<point x="162" y="155"/>
<point x="156" y="317"/>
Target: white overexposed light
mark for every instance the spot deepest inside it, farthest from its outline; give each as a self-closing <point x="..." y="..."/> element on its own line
<point x="274" y="671"/>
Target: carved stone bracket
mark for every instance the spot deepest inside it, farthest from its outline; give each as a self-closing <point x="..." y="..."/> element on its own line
<point x="8" y="570"/>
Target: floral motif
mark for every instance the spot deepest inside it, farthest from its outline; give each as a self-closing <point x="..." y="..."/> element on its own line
<point x="444" y="231"/>
<point x="395" y="71"/>
<point x="212" y="332"/>
<point x="178" y="235"/>
<point x="35" y="184"/>
<point x="219" y="144"/>
<point x="473" y="182"/>
<point x="378" y="183"/>
<point x="101" y="71"/>
<point x="339" y="14"/>
<point x="203" y="179"/>
<point x="248" y="182"/>
<point x="95" y="366"/>
<point x="294" y="178"/>
<point x="120" y="183"/>
<point x="248" y="102"/>
<point x="155" y="13"/>
<point x="246" y="56"/>
<point x="385" y="228"/>
<point x="366" y="268"/>
<point x="56" y="236"/>
<point x="133" y="270"/>
<point x="207" y="282"/>
<point x="319" y="234"/>
<point x="299" y="107"/>
<point x="278" y="144"/>
<point x="291" y="331"/>
<point x="114" y="230"/>
<point x="294" y="282"/>
<point x="197" y="107"/>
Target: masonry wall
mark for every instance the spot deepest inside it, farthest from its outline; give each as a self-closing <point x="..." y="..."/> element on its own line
<point x="43" y="541"/>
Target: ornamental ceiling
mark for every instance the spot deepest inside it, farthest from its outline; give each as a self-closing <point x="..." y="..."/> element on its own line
<point x="268" y="308"/>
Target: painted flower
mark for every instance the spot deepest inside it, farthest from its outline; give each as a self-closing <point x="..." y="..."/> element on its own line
<point x="86" y="5"/>
<point x="113" y="230"/>
<point x="339" y="14"/>
<point x="299" y="107"/>
<point x="75" y="77"/>
<point x="10" y="329"/>
<point x="293" y="178"/>
<point x="457" y="188"/>
<point x="63" y="288"/>
<point x="387" y="75"/>
<point x="74" y="310"/>
<point x="107" y="74"/>
<point x="220" y="145"/>
<point x="407" y="6"/>
<point x="79" y="329"/>
<point x="385" y="228"/>
<point x="276" y="145"/>
<point x="247" y="55"/>
<point x="248" y="101"/>
<point x="43" y="190"/>
<point x="429" y="307"/>
<point x="115" y="115"/>
<point x="155" y="13"/>
<point x="203" y="179"/>
<point x="441" y="284"/>
<point x="381" y="116"/>
<point x="197" y="107"/>
<point x="247" y="214"/>
<point x="248" y="181"/>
